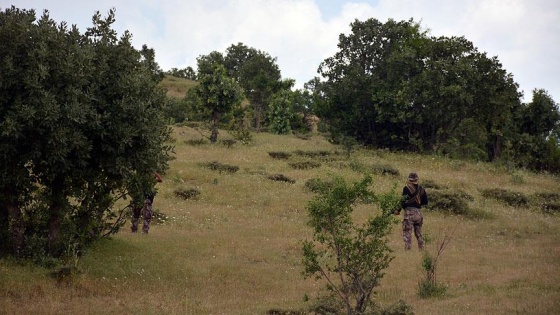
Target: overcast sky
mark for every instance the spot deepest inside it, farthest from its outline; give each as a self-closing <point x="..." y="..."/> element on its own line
<point x="523" y="34"/>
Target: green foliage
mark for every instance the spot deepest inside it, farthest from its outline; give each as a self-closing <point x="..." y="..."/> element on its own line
<point x="303" y="165"/>
<point x="466" y="142"/>
<point x="175" y="110"/>
<point x="318" y="185"/>
<point x="313" y="154"/>
<point x="429" y="287"/>
<point x="449" y="202"/>
<point x="82" y="127"/>
<point x="351" y="258"/>
<point x="281" y="113"/>
<point x="391" y="85"/>
<point x="280" y="155"/>
<point x="548" y="202"/>
<point x="281" y="178"/>
<point x="229" y="142"/>
<point x="242" y="135"/>
<point x="509" y="197"/>
<point x="218" y="94"/>
<point x="185" y="73"/>
<point x="258" y="75"/>
<point x="220" y="167"/>
<point x="186" y="193"/>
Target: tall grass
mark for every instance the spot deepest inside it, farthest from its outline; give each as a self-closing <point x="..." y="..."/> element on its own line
<point x="235" y="248"/>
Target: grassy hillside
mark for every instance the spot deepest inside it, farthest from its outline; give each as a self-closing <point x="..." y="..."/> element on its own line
<point x="235" y="248"/>
<point x="176" y="87"/>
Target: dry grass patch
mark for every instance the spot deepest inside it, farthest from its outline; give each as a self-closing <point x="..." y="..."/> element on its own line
<point x="236" y="249"/>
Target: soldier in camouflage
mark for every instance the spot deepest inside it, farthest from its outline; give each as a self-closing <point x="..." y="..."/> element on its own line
<point x="145" y="210"/>
<point x="414" y="197"/>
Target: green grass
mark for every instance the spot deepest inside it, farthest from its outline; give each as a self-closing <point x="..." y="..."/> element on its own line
<point x="235" y="248"/>
<point x="176" y="87"/>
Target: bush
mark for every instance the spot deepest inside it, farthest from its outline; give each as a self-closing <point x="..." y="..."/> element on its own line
<point x="242" y="135"/>
<point x="511" y="198"/>
<point x="216" y="166"/>
<point x="548" y="202"/>
<point x="281" y="178"/>
<point x="186" y="193"/>
<point x="313" y="154"/>
<point x="317" y="185"/>
<point x="228" y="142"/>
<point x="427" y="289"/>
<point x="305" y="165"/>
<point x="448" y="202"/>
<point x="280" y="155"/>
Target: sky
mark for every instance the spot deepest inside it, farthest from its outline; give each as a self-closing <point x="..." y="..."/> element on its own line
<point x="300" y="34"/>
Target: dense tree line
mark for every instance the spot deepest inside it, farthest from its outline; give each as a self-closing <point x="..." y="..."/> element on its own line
<point x="390" y="85"/>
<point x="80" y="129"/>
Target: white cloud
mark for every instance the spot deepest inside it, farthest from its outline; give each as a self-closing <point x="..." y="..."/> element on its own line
<point x="524" y="34"/>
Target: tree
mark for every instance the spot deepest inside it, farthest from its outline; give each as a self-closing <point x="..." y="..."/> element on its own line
<point x="541" y="116"/>
<point x="350" y="258"/>
<point x="392" y="86"/>
<point x="186" y="73"/>
<point x="535" y="143"/>
<point x="281" y="112"/>
<point x="81" y="127"/>
<point x="219" y="95"/>
<point x="364" y="81"/>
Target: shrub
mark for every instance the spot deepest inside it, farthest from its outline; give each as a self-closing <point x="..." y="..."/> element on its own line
<point x="317" y="185"/>
<point x="427" y="289"/>
<point x="511" y="198"/>
<point x="281" y="178"/>
<point x="216" y="166"/>
<point x="313" y="154"/>
<point x="429" y="286"/>
<point x="305" y="165"/>
<point x="228" y="142"/>
<point x="186" y="193"/>
<point x="349" y="257"/>
<point x="242" y="135"/>
<point x="280" y="155"/>
<point x="548" y="202"/>
<point x="448" y="202"/>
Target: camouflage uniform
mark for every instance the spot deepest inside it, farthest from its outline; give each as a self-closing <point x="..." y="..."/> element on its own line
<point x="414" y="197"/>
<point x="146" y="212"/>
<point x="413" y="218"/>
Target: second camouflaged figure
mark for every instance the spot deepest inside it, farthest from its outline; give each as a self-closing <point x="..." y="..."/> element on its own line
<point x="414" y="197"/>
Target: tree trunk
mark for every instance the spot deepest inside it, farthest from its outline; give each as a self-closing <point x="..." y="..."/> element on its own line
<point x="215" y="122"/>
<point x="12" y="221"/>
<point x="16" y="228"/>
<point x="55" y="218"/>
